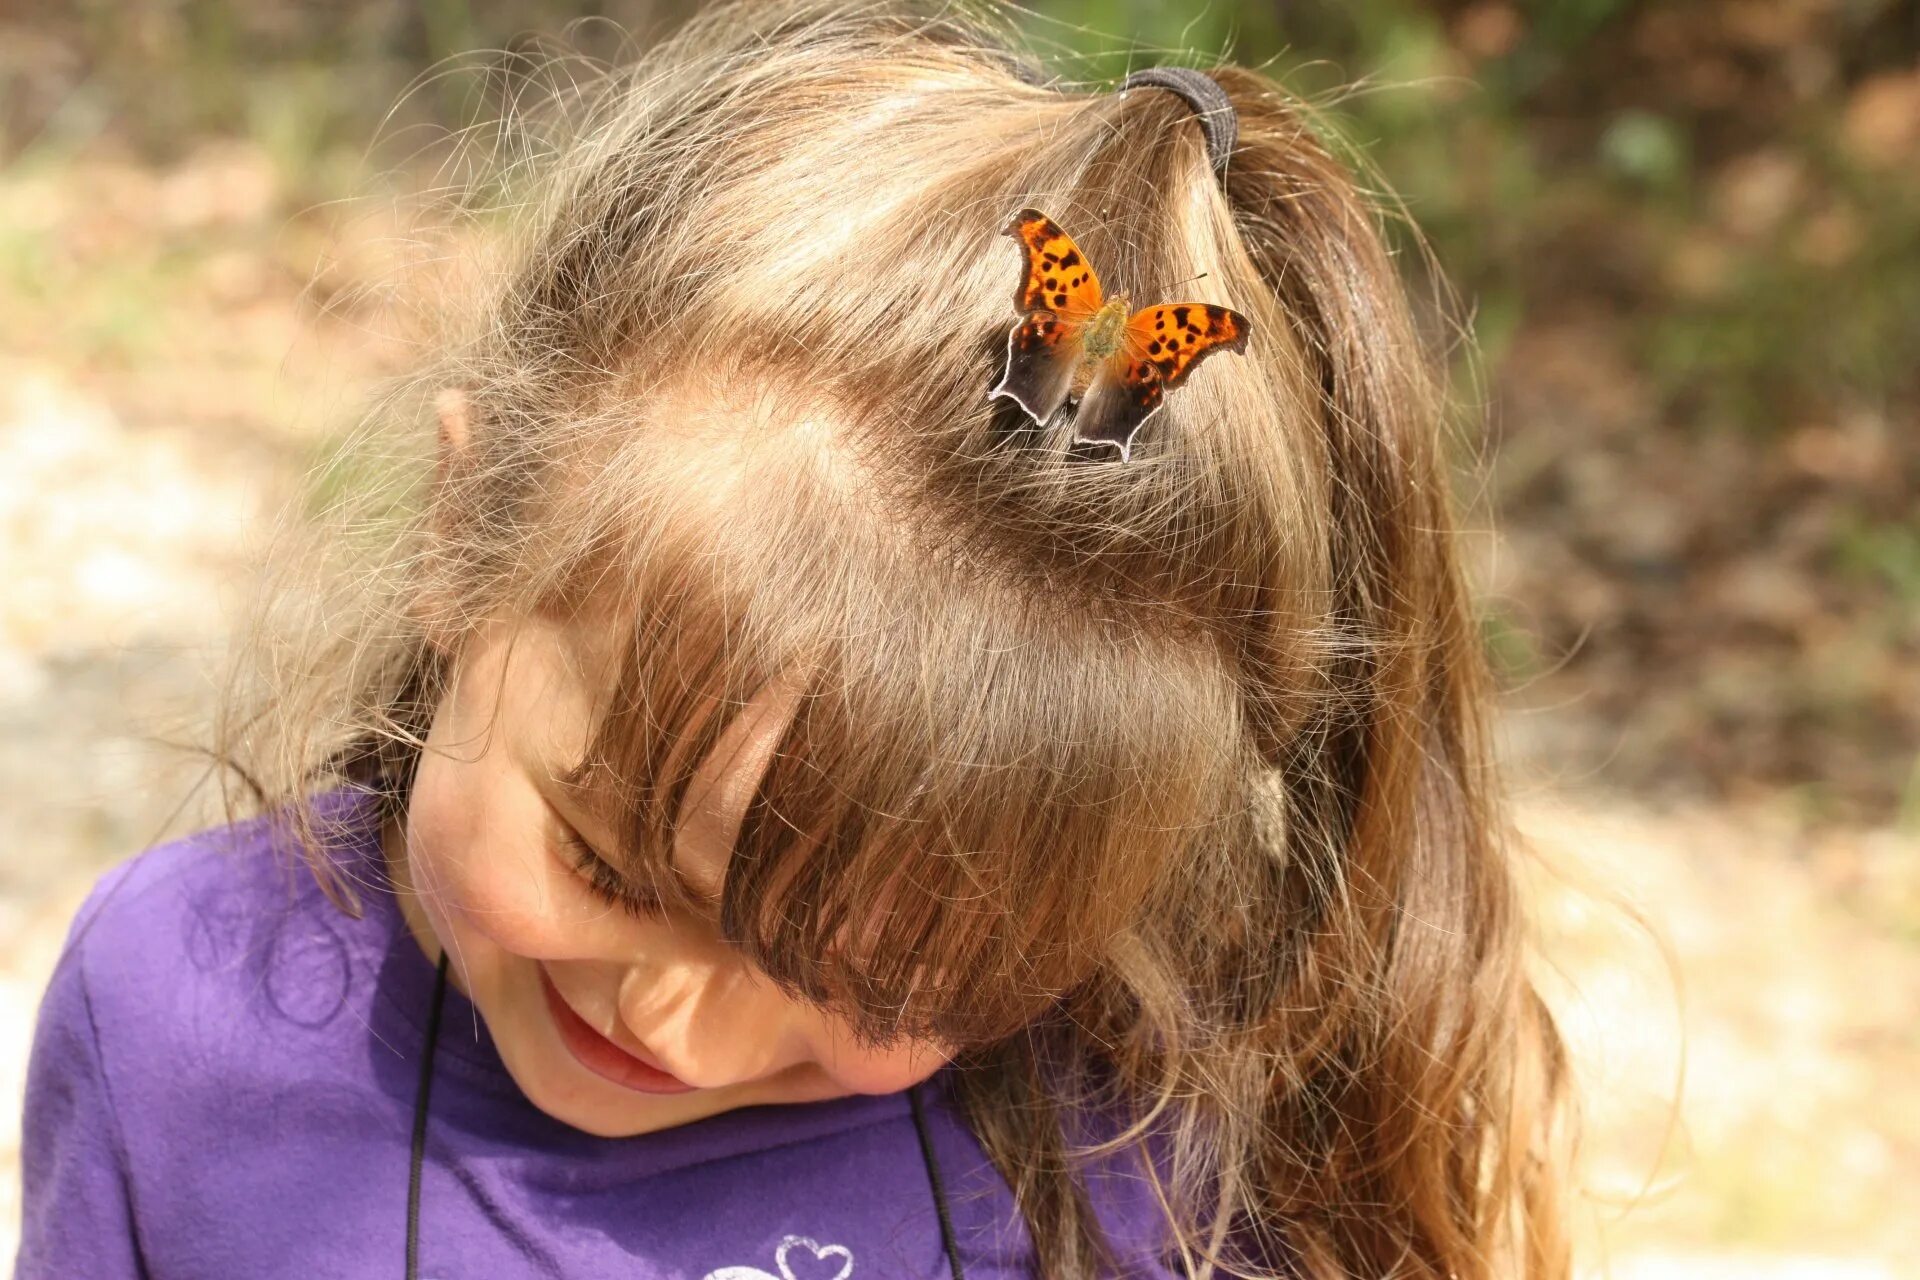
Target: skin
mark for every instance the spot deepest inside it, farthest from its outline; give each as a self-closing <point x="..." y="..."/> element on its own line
<point x="482" y="871"/>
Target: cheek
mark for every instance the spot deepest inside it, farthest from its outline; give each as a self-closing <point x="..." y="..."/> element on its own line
<point x="476" y="876"/>
<point x="868" y="1070"/>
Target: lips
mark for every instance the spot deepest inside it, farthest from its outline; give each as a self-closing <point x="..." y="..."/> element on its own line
<point x="602" y="1056"/>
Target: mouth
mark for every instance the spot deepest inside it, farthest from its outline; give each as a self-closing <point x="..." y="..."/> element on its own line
<point x="602" y="1056"/>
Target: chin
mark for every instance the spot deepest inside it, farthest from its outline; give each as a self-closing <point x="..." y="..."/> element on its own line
<point x="627" y="1120"/>
<point x="560" y="1087"/>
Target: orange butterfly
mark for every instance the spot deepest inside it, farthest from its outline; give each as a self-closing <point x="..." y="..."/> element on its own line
<point x="1075" y="341"/>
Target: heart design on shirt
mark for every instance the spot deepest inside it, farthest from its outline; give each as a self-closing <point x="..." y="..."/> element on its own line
<point x="812" y="1267"/>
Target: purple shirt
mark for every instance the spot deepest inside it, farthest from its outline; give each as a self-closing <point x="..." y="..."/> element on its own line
<point x="223" y="1083"/>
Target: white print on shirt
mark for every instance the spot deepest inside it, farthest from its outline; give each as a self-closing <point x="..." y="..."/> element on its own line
<point x="821" y="1254"/>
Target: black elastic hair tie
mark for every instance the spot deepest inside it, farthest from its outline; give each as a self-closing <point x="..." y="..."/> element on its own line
<point x="1209" y="101"/>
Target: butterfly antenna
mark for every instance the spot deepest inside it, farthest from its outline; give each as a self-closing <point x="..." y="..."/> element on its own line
<point x="1190" y="279"/>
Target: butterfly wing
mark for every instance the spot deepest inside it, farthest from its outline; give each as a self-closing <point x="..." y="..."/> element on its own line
<point x="1175" y="336"/>
<point x="1056" y="276"/>
<point x="1043" y="351"/>
<point x="1161" y="347"/>
<point x="1057" y="294"/>
<point x="1125" y="393"/>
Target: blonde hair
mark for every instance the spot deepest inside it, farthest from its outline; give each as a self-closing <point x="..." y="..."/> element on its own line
<point x="1167" y="780"/>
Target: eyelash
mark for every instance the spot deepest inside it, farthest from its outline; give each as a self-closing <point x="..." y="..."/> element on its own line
<point x="603" y="882"/>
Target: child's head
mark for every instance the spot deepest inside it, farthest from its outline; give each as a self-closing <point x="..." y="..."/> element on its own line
<point x="1155" y="785"/>
<point x="508" y="853"/>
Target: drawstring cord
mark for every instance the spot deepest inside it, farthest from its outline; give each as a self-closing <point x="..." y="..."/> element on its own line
<point x="420" y="1121"/>
<point x="947" y="1243"/>
<point x="419" y="1152"/>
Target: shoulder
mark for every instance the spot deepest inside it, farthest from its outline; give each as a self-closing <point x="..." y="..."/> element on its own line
<point x="170" y="946"/>
<point x="180" y="905"/>
<point x="145" y="892"/>
<point x="1120" y="1184"/>
<point x="122" y="959"/>
<point x="1126" y="1176"/>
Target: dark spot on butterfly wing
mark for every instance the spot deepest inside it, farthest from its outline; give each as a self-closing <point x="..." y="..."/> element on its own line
<point x="1035" y="232"/>
<point x="1199" y="330"/>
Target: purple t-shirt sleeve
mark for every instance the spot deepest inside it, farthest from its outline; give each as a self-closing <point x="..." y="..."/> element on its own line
<point x="77" y="1212"/>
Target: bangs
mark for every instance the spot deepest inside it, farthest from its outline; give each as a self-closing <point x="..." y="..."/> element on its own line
<point x="973" y="799"/>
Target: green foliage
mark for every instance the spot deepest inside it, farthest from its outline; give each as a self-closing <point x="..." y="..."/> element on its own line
<point x="1104" y="39"/>
<point x="1646" y="149"/>
<point x="1883" y="555"/>
<point x="1510" y="647"/>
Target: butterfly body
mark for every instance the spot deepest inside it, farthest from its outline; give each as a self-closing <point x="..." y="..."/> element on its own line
<point x="1106" y="329"/>
<point x="1074" y="342"/>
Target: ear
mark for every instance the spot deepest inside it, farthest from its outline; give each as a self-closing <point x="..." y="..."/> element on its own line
<point x="430" y="608"/>
<point x="450" y="408"/>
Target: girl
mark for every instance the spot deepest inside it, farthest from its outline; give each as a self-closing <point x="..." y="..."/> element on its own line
<point x="784" y="811"/>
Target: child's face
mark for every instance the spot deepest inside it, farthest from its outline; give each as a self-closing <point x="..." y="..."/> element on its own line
<point x="484" y="853"/>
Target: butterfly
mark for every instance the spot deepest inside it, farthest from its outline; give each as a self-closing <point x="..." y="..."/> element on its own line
<point x="1073" y="340"/>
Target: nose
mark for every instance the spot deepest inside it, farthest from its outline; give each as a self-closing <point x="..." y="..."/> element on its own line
<point x="712" y="1025"/>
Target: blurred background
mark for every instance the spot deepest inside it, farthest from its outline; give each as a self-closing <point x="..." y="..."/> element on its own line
<point x="1686" y="241"/>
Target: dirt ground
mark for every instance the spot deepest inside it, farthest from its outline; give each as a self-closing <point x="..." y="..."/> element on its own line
<point x="167" y="374"/>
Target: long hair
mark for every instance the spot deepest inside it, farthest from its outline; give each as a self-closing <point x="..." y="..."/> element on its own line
<point x="1160" y="787"/>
